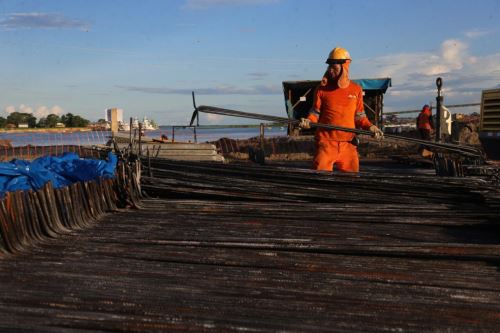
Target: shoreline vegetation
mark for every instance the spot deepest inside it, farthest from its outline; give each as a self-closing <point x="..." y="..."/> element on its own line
<point x="46" y="130"/>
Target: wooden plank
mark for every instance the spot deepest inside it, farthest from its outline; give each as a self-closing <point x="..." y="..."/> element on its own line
<point x="179" y="152"/>
<point x="181" y="146"/>
<point x="196" y="157"/>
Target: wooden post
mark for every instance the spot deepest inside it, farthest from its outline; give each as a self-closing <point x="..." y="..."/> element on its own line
<point x="140" y="140"/>
<point x="261" y="135"/>
<point x="290" y="126"/>
<point x="114" y="120"/>
<point x="439" y="113"/>
<point x="130" y="132"/>
<point x="150" y="173"/>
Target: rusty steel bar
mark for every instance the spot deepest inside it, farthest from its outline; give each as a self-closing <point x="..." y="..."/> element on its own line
<point x="33" y="217"/>
<point x="423" y="259"/>
<point x="245" y="182"/>
<point x="459" y="149"/>
<point x="448" y="106"/>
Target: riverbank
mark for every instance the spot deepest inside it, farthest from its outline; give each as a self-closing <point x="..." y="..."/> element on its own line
<point x="46" y="130"/>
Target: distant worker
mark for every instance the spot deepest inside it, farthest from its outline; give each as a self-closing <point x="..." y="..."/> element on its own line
<point x="164" y="137"/>
<point x="338" y="101"/>
<point x="425" y="123"/>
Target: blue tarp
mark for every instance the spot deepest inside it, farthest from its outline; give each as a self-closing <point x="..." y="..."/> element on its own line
<point x="61" y="171"/>
<point x="374" y="84"/>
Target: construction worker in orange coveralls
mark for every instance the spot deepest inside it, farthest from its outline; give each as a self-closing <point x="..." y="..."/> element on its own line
<point x="425" y="122"/>
<point x="338" y="101"/>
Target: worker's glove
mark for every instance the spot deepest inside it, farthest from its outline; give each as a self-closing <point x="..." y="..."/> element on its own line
<point x="376" y="132"/>
<point x="305" y="123"/>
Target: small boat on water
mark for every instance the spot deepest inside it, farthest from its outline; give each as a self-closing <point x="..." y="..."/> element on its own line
<point x="146" y="125"/>
<point x="135" y="123"/>
<point x="123" y="126"/>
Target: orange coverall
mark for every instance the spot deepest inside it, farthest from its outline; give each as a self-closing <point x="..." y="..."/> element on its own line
<point x="424" y="123"/>
<point x="341" y="107"/>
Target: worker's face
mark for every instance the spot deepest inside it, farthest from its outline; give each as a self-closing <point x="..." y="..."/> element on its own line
<point x="335" y="70"/>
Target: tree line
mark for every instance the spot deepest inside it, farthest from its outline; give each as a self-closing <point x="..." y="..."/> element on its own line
<point x="68" y="119"/>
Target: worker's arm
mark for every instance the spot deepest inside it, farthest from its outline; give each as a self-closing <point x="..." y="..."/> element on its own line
<point x="376" y="132"/>
<point x="312" y="117"/>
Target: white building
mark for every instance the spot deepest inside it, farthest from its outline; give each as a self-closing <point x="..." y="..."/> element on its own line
<point x="119" y="114"/>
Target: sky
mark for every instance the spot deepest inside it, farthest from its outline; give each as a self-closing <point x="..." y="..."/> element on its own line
<point x="145" y="57"/>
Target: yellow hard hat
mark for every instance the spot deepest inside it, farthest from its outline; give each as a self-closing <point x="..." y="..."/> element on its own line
<point x="338" y="56"/>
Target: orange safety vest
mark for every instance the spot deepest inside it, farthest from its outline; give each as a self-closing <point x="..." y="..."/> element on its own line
<point x="341" y="107"/>
<point x="424" y="119"/>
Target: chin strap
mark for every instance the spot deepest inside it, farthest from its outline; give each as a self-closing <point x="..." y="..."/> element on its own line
<point x="344" y="76"/>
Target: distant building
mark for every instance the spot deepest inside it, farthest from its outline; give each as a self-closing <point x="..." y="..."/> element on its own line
<point x="22" y="125"/>
<point x="119" y="114"/>
<point x="60" y="125"/>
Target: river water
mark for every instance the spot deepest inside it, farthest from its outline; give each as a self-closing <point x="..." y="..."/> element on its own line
<point x="19" y="138"/>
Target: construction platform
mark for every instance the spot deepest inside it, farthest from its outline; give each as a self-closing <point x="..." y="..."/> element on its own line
<point x="180" y="151"/>
<point x="226" y="248"/>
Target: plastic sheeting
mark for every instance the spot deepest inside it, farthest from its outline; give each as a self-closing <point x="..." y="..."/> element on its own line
<point x="374" y="84"/>
<point x="60" y="170"/>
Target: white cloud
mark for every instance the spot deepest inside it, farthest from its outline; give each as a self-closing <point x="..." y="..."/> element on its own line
<point x="258" y="75"/>
<point x="453" y="56"/>
<point x="40" y="111"/>
<point x="56" y="109"/>
<point x="40" y="21"/>
<point x="9" y="109"/>
<point x="204" y="4"/>
<point x="414" y="74"/>
<point x="453" y="53"/>
<point x="43" y="111"/>
<point x="214" y="118"/>
<point x="25" y="109"/>
<point x="271" y="89"/>
<point x="476" y="33"/>
<point x="437" y="70"/>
